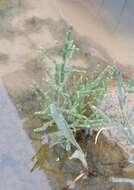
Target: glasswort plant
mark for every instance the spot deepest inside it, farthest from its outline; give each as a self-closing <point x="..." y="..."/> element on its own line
<point x="67" y="102"/>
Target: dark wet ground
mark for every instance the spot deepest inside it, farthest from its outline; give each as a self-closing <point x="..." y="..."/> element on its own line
<point x="16" y="151"/>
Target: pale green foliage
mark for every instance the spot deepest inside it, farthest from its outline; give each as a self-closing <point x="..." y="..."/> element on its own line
<point x="124" y="122"/>
<point x="70" y="94"/>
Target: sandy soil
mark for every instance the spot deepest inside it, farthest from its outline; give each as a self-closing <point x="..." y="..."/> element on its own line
<point x="28" y="25"/>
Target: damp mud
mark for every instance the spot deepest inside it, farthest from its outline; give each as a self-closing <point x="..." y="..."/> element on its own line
<point x="25" y="27"/>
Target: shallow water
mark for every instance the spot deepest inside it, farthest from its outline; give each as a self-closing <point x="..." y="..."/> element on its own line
<point x="108" y="23"/>
<point x="120" y="15"/>
<point x="63" y="172"/>
<point x="16" y="151"/>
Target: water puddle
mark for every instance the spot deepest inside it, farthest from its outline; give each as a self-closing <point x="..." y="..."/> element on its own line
<point x="60" y="173"/>
<point x="119" y="18"/>
<point x="16" y="151"/>
<point x="109" y="24"/>
<point x="118" y="15"/>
